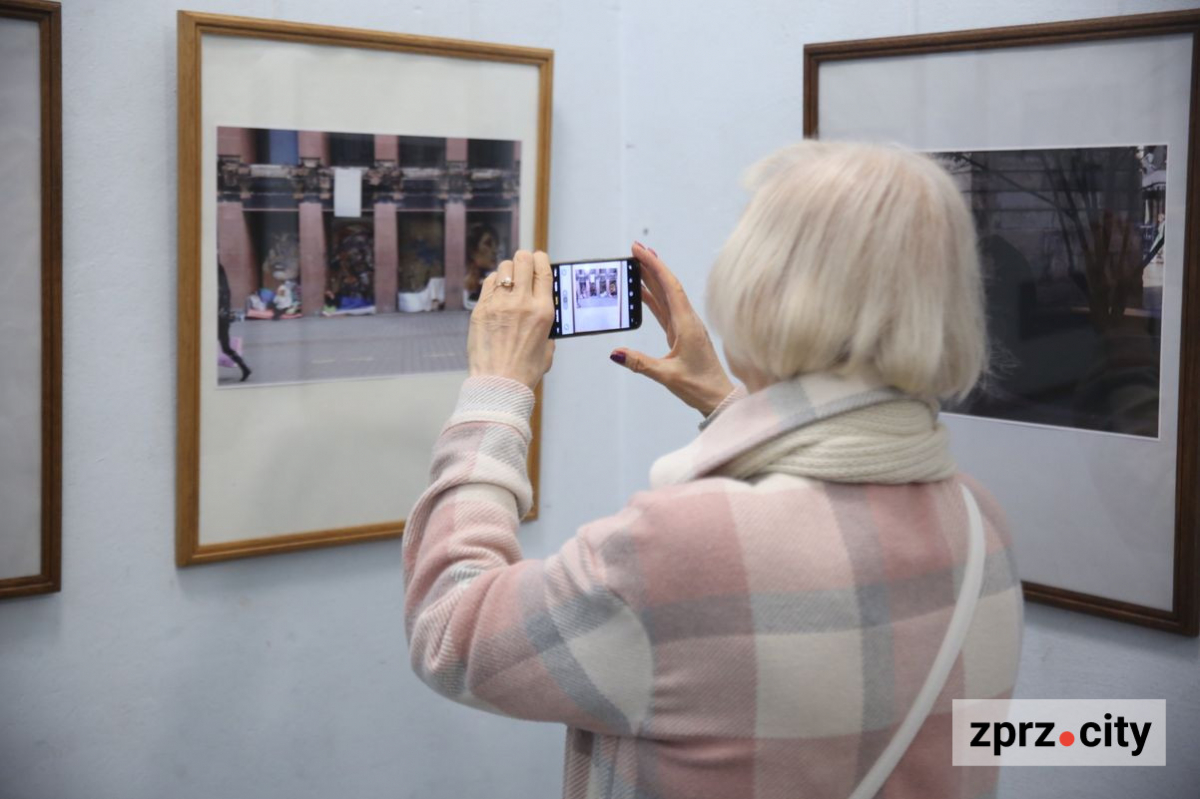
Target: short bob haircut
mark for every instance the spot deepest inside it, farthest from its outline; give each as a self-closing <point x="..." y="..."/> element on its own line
<point x="853" y="258"/>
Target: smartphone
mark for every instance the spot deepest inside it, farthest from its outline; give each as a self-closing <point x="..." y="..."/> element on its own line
<point x="596" y="297"/>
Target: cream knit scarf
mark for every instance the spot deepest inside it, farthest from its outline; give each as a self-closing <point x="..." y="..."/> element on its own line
<point x="899" y="441"/>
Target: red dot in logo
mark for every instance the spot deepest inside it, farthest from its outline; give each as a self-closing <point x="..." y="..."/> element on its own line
<point x="1067" y="738"/>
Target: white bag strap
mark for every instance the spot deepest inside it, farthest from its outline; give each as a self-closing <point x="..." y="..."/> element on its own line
<point x="956" y="634"/>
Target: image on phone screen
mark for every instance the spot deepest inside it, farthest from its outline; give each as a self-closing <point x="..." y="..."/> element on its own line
<point x="596" y="297"/>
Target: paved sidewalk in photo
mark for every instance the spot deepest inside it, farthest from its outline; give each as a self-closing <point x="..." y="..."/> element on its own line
<point x="338" y="348"/>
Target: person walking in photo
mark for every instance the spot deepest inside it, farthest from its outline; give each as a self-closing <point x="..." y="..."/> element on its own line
<point x="225" y="321"/>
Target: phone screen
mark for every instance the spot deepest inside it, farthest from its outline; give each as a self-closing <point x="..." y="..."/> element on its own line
<point x="596" y="297"/>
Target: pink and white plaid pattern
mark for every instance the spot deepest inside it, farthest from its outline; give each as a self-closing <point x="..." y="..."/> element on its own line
<point x="714" y="638"/>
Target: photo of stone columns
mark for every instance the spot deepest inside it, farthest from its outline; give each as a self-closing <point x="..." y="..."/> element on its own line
<point x="355" y="255"/>
<point x="597" y="287"/>
<point x="1072" y="247"/>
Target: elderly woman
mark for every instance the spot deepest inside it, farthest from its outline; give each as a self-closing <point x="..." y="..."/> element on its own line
<point x="792" y="606"/>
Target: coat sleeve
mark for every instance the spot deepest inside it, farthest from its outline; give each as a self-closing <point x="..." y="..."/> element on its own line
<point x="550" y="640"/>
<point x="733" y="396"/>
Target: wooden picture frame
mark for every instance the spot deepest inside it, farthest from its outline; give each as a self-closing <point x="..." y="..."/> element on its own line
<point x="305" y="41"/>
<point x="47" y="16"/>
<point x="1183" y="615"/>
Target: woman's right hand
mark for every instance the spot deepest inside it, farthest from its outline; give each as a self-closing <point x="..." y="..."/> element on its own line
<point x="691" y="370"/>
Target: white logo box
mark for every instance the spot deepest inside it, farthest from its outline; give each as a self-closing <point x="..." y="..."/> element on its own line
<point x="1084" y="719"/>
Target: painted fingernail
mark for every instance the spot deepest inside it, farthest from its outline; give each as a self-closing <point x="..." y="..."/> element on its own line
<point x="652" y="251"/>
<point x="617" y="357"/>
<point x="639" y="244"/>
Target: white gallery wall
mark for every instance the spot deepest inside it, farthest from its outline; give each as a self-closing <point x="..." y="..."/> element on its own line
<point x="288" y="676"/>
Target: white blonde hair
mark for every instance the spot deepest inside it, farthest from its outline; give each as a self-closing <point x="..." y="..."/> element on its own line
<point x="853" y="257"/>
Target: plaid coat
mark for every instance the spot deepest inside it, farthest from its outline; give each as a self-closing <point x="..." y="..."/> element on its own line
<point x="713" y="638"/>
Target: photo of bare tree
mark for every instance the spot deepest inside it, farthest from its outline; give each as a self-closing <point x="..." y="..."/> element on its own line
<point x="1072" y="247"/>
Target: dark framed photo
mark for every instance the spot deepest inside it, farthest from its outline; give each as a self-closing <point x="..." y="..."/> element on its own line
<point x="30" y="303"/>
<point x="1074" y="145"/>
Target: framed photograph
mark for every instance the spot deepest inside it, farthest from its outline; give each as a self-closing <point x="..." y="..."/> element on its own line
<point x="342" y="195"/>
<point x="1075" y="146"/>
<point x="30" y="298"/>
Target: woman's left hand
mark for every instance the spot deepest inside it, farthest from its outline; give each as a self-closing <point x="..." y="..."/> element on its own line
<point x="509" y="334"/>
